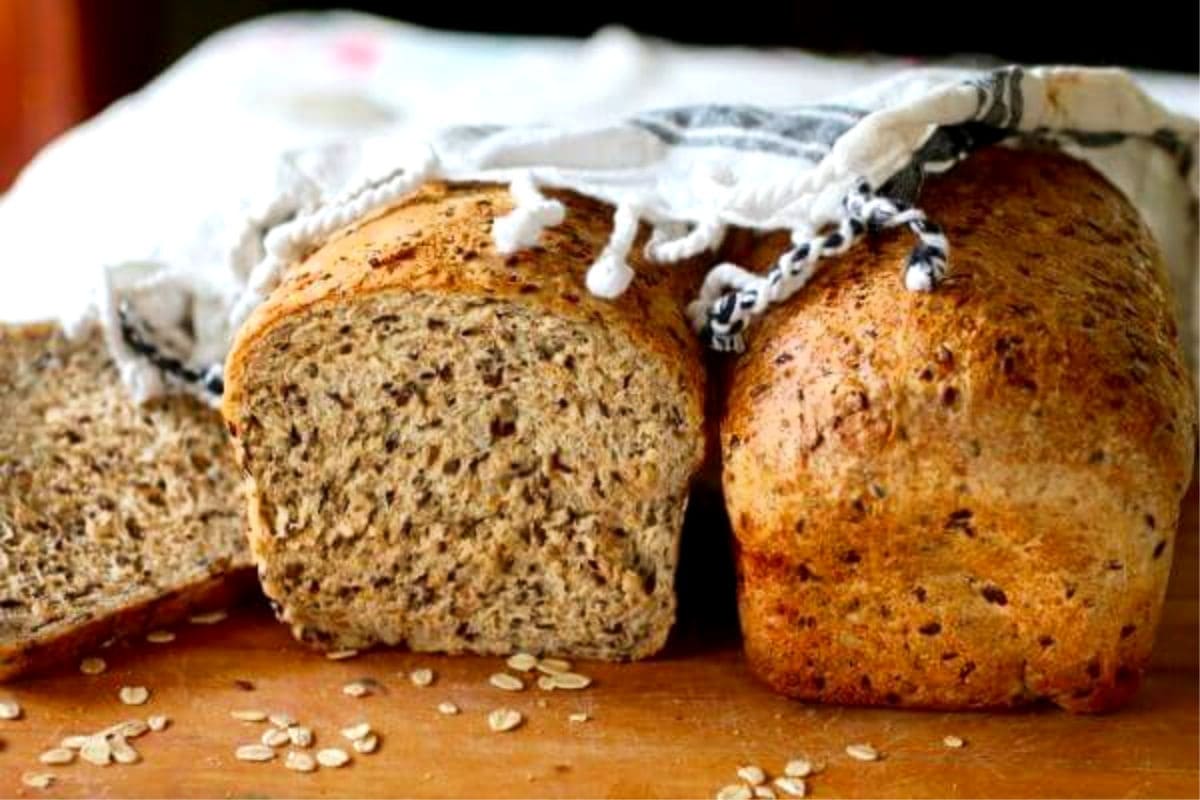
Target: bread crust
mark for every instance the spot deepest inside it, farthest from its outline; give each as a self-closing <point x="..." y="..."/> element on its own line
<point x="63" y="646"/>
<point x="437" y="244"/>
<point x="438" y="240"/>
<point x="965" y="498"/>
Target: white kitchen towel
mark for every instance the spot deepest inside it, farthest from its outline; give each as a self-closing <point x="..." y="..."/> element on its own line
<point x="829" y="173"/>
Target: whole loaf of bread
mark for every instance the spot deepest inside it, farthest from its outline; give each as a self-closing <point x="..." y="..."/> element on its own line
<point x="965" y="498"/>
<point x="458" y="450"/>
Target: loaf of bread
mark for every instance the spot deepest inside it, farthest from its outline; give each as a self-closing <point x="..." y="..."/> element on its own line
<point x="965" y="498"/>
<point x="114" y="519"/>
<point x="456" y="450"/>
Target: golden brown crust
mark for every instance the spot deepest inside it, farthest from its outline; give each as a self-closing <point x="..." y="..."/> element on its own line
<point x="64" y="648"/>
<point x="438" y="240"/>
<point x="965" y="498"/>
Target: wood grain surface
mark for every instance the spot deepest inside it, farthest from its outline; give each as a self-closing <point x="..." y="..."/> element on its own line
<point x="675" y="726"/>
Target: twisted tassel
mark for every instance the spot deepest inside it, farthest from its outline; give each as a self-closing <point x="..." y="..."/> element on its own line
<point x="522" y="227"/>
<point x="732" y="297"/>
<point x="286" y="243"/>
<point x="610" y="274"/>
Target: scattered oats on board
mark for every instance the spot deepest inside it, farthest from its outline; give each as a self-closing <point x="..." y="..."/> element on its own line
<point x="798" y="768"/>
<point x="340" y="655"/>
<point x="160" y="637"/>
<point x="274" y="737"/>
<point x="570" y="680"/>
<point x="300" y="736"/>
<point x="332" y="757"/>
<point x="447" y="708"/>
<point x="509" y="683"/>
<point x="752" y="775"/>
<point x="552" y="666"/>
<point x="299" y="762"/>
<point x="504" y="719"/>
<point x="764" y="793"/>
<point x="209" y="617"/>
<point x="254" y="752"/>
<point x="134" y="695"/>
<point x="37" y="780"/>
<point x="579" y="717"/>
<point x="356" y="732"/>
<point x="421" y="677"/>
<point x="248" y="715"/>
<point x="92" y="665"/>
<point x="158" y="722"/>
<point x="96" y="751"/>
<point x="796" y="787"/>
<point x="954" y="741"/>
<point x="862" y="752"/>
<point x="57" y="755"/>
<point x="521" y="662"/>
<point x="356" y="689"/>
<point x="9" y="709"/>
<point x="122" y="751"/>
<point x="734" y="791"/>
<point x="545" y="682"/>
<point x="367" y="744"/>
<point x="74" y="742"/>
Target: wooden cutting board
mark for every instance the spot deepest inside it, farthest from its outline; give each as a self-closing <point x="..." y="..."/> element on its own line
<point x="676" y="726"/>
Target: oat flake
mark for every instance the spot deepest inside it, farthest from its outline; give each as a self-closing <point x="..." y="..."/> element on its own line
<point x="134" y="695"/>
<point x="509" y="683"/>
<point x="299" y="762"/>
<point x="862" y="752"/>
<point x="57" y="755"/>
<point x="92" y="665"/>
<point x="504" y="719"/>
<point x="332" y="757"/>
<point x="356" y="732"/>
<point x="254" y="752"/>
<point x="249" y="715"/>
<point x="522" y="662"/>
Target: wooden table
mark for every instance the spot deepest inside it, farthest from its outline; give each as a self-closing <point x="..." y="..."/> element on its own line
<point x="676" y="726"/>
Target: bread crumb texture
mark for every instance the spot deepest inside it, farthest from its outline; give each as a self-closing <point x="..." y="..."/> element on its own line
<point x="114" y="518"/>
<point x="456" y="450"/>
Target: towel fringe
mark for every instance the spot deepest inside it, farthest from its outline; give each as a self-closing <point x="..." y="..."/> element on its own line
<point x="522" y="227"/>
<point x="732" y="297"/>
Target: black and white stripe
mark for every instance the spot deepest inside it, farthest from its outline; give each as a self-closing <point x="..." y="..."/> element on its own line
<point x="866" y="212"/>
<point x="207" y="381"/>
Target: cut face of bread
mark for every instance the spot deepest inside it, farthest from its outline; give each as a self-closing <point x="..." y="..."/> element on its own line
<point x="113" y="518"/>
<point x="463" y="453"/>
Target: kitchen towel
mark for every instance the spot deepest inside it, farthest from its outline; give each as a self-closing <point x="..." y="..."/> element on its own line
<point x="829" y="172"/>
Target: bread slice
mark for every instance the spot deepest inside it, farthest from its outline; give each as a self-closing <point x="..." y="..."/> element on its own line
<point x="966" y="498"/>
<point x="461" y="451"/>
<point x="113" y="518"/>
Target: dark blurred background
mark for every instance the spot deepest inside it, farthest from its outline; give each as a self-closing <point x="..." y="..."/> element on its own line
<point x="63" y="60"/>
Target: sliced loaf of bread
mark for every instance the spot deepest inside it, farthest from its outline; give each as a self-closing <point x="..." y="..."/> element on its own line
<point x="461" y="451"/>
<point x="113" y="518"/>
